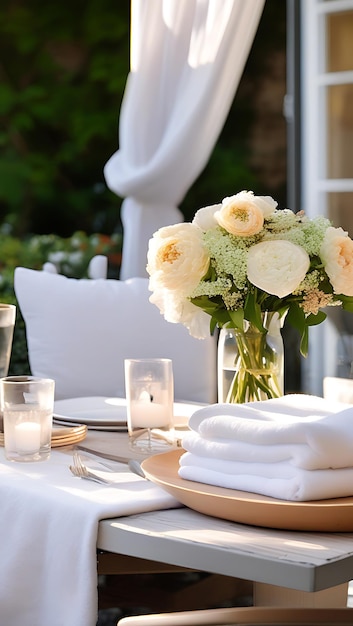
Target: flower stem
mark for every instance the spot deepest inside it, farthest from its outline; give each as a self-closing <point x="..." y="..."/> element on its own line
<point x="257" y="368"/>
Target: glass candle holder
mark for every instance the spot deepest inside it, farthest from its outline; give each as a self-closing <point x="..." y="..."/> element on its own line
<point x="27" y="404"/>
<point x="149" y="396"/>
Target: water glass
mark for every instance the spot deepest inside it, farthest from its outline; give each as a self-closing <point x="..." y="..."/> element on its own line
<point x="7" y="324"/>
<point x="27" y="404"/>
<point x="149" y="389"/>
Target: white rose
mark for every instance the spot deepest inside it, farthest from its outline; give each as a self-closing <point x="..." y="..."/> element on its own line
<point x="266" y="204"/>
<point x="204" y="218"/>
<point x="179" y="310"/>
<point x="337" y="256"/>
<point x="277" y="267"/>
<point x="177" y="258"/>
<point x="244" y="213"/>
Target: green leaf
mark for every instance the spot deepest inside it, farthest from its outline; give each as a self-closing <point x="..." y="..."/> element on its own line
<point x="252" y="310"/>
<point x="296" y="318"/>
<point x="206" y="304"/>
<point x="222" y="317"/>
<point x="314" y="320"/>
<point x="347" y="303"/>
<point x="237" y="318"/>
<point x="304" y="342"/>
<point x="213" y="325"/>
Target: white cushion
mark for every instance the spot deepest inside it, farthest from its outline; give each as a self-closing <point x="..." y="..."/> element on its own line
<point x="80" y="331"/>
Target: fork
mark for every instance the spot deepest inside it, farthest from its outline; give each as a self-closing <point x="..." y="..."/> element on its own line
<point x="81" y="470"/>
<point x="97" y="457"/>
<point x="88" y="475"/>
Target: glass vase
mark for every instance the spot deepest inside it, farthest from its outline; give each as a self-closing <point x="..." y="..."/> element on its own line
<point x="250" y="362"/>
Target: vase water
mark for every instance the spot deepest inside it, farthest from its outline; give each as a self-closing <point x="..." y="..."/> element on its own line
<point x="251" y="362"/>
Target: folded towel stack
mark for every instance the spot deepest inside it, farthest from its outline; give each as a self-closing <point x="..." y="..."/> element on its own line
<point x="298" y="448"/>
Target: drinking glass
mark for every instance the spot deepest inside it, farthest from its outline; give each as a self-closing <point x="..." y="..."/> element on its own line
<point x="7" y="324"/>
<point x="27" y="404"/>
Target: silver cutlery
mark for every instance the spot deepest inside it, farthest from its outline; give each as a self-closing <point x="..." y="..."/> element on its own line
<point x="103" y="455"/>
<point x="135" y="467"/>
<point x="86" y="457"/>
<point x="88" y="475"/>
<point x="81" y="470"/>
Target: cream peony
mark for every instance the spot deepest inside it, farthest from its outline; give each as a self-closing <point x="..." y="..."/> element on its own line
<point x="179" y="310"/>
<point x="205" y="218"/>
<point x="277" y="267"/>
<point x="243" y="214"/>
<point x="177" y="258"/>
<point x="337" y="255"/>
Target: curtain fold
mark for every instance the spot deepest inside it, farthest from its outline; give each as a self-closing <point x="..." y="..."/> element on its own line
<point x="187" y="57"/>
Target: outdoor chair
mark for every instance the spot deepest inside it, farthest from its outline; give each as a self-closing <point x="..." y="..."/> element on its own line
<point x="258" y="616"/>
<point x="80" y="331"/>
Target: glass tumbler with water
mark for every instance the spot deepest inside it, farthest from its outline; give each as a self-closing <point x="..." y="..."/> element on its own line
<point x="7" y="324"/>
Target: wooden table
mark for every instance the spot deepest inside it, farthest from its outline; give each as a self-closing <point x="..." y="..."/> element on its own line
<point x="287" y="568"/>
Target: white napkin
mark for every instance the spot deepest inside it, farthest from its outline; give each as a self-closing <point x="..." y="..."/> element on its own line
<point x="299" y="455"/>
<point x="278" y="480"/>
<point x="48" y="525"/>
<point x="307" y="431"/>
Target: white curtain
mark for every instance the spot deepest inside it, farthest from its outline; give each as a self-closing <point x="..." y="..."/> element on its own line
<point x="187" y="57"/>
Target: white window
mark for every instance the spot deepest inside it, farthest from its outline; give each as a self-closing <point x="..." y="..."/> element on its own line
<point x="327" y="160"/>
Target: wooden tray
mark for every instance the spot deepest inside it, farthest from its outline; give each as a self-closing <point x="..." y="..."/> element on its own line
<point x="335" y="515"/>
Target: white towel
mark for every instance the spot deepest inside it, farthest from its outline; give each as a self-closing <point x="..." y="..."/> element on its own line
<point x="48" y="526"/>
<point x="277" y="480"/>
<point x="306" y="431"/>
<point x="297" y="405"/>
<point x="299" y="455"/>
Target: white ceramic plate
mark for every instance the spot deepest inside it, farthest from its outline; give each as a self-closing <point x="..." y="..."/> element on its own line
<point x="94" y="411"/>
<point x="108" y="413"/>
<point x="112" y="427"/>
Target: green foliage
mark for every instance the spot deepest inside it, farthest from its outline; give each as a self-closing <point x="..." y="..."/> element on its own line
<point x="225" y="174"/>
<point x="61" y="88"/>
<point x="63" y="74"/>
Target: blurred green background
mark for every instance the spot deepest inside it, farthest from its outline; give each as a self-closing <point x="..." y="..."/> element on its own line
<point x="63" y="68"/>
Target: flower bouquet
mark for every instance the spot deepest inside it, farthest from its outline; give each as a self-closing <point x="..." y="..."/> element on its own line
<point x="244" y="258"/>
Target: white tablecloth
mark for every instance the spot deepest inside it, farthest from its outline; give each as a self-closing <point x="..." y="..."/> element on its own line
<point x="48" y="528"/>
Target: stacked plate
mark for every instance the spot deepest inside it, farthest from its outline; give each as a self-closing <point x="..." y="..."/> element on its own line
<point x="63" y="436"/>
<point x="67" y="436"/>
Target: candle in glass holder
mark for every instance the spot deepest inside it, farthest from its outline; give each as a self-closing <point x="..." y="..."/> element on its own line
<point x="148" y="414"/>
<point x="27" y="404"/>
<point x="27" y="437"/>
<point x="149" y="399"/>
